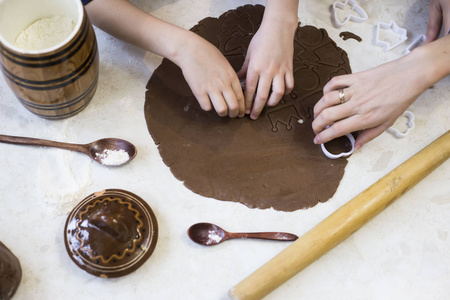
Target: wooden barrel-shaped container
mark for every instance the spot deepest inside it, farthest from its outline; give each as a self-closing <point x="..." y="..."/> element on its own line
<point x="58" y="82"/>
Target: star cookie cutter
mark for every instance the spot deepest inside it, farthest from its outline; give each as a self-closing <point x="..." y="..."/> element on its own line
<point x="360" y="17"/>
<point x="342" y="154"/>
<point x="416" y="43"/>
<point x="402" y="33"/>
<point x="409" y="123"/>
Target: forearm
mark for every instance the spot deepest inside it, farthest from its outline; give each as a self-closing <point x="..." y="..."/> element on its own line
<point x="283" y="12"/>
<point x="433" y="60"/>
<point x="127" y="22"/>
<point x="210" y="77"/>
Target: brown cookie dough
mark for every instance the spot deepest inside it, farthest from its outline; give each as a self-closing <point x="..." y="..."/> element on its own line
<point x="10" y="273"/>
<point x="111" y="233"/>
<point x="269" y="162"/>
<point x="345" y="35"/>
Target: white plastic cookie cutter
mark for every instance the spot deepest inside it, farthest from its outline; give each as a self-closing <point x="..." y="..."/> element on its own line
<point x="342" y="154"/>
<point x="409" y="125"/>
<point x="418" y="41"/>
<point x="401" y="32"/>
<point x="360" y="16"/>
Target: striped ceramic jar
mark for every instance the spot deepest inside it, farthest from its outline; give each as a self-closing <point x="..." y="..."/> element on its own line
<point x="56" y="82"/>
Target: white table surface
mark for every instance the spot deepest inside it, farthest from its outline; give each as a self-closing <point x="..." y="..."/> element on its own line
<point x="400" y="254"/>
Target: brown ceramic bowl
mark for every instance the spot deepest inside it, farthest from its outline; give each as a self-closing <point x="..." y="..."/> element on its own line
<point x="56" y="82"/>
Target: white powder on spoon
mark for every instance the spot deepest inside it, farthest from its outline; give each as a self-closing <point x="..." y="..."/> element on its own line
<point x="213" y="236"/>
<point x="113" y="157"/>
<point x="45" y="33"/>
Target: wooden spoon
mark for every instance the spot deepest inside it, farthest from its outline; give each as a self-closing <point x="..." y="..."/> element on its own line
<point x="97" y="150"/>
<point x="208" y="234"/>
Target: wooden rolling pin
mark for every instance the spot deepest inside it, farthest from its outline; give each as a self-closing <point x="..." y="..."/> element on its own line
<point x="343" y="222"/>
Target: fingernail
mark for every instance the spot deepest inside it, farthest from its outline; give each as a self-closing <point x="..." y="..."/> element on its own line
<point x="316" y="140"/>
<point x="247" y="111"/>
<point x="358" y="146"/>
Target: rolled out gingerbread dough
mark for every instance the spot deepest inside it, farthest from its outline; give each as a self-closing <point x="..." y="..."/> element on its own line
<point x="269" y="162"/>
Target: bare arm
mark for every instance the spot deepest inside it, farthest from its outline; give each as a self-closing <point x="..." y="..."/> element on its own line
<point x="209" y="75"/>
<point x="127" y="22"/>
<point x="377" y="97"/>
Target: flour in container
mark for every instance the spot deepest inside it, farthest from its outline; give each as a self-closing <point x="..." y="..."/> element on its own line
<point x="45" y="33"/>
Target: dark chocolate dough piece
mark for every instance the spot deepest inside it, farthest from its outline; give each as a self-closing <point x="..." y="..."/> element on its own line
<point x="10" y="273"/>
<point x="111" y="233"/>
<point x="269" y="162"/>
<point x="349" y="35"/>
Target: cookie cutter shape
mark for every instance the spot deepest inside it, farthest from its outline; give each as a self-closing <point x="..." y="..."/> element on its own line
<point x="361" y="14"/>
<point x="418" y="41"/>
<point x="342" y="154"/>
<point x="401" y="32"/>
<point x="111" y="233"/>
<point x="409" y="125"/>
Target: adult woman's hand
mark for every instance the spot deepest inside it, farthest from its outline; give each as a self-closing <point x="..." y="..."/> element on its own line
<point x="371" y="100"/>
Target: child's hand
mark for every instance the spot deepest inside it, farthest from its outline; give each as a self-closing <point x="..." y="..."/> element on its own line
<point x="267" y="68"/>
<point x="211" y="78"/>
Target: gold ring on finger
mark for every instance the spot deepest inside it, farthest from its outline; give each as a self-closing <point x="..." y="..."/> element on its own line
<point x="341" y="96"/>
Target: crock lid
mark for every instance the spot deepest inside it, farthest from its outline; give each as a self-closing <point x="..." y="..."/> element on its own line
<point x="111" y="233"/>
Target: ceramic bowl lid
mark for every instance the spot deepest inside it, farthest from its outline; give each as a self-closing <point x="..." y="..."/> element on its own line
<point x="111" y="233"/>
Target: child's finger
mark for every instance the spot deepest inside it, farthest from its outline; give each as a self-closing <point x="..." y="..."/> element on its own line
<point x="219" y="104"/>
<point x="204" y="101"/>
<point x="278" y="90"/>
<point x="231" y="102"/>
<point x="251" y="83"/>
<point x="289" y="82"/>
<point x="237" y="89"/>
<point x="261" y="97"/>
<point x="243" y="71"/>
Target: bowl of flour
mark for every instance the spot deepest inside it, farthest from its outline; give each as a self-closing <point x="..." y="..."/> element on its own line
<point x="49" y="55"/>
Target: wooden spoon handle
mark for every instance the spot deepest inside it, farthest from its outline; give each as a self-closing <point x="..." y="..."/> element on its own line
<point x="39" y="142"/>
<point x="278" y="236"/>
